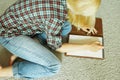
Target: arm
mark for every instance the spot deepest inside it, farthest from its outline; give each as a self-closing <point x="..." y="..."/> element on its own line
<point x="72" y="47"/>
<point x="68" y="47"/>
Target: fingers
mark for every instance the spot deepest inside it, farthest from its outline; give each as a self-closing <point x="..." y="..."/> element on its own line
<point x="97" y="42"/>
<point x="85" y="30"/>
<point x="100" y="46"/>
<point x="89" y="30"/>
<point x="93" y="31"/>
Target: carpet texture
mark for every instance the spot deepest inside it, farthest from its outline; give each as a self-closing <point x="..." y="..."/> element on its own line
<point x="91" y="69"/>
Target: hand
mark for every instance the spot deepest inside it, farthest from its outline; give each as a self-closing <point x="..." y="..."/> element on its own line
<point x="89" y="30"/>
<point x="95" y="46"/>
<point x="92" y="30"/>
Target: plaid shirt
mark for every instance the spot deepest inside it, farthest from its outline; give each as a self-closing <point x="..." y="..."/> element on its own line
<point x="29" y="17"/>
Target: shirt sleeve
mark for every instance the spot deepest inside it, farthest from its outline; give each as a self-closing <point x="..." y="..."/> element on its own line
<point x="53" y="31"/>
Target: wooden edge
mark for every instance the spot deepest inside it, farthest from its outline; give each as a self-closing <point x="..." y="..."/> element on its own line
<point x="84" y="57"/>
<point x="103" y="45"/>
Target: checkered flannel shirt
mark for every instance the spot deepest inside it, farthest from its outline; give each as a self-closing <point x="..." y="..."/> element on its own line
<point x="29" y="17"/>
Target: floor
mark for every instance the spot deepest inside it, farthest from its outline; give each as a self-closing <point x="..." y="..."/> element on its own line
<point x="91" y="69"/>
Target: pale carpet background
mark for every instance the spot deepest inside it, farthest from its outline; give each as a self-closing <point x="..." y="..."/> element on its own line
<point x="91" y="69"/>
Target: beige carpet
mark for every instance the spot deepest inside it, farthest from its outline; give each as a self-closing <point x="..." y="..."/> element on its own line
<point x="92" y="69"/>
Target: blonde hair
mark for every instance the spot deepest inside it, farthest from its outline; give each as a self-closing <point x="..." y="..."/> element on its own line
<point x="81" y="13"/>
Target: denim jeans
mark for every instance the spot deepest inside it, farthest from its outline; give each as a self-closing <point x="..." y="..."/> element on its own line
<point x="39" y="61"/>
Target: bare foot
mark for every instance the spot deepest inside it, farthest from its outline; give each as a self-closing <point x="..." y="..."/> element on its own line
<point x="0" y="67"/>
<point x="95" y="46"/>
<point x="12" y="59"/>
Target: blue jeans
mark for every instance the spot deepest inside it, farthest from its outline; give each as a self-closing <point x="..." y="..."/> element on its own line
<point x="39" y="61"/>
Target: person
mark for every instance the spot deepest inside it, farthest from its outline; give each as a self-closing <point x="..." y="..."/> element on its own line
<point x="48" y="21"/>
